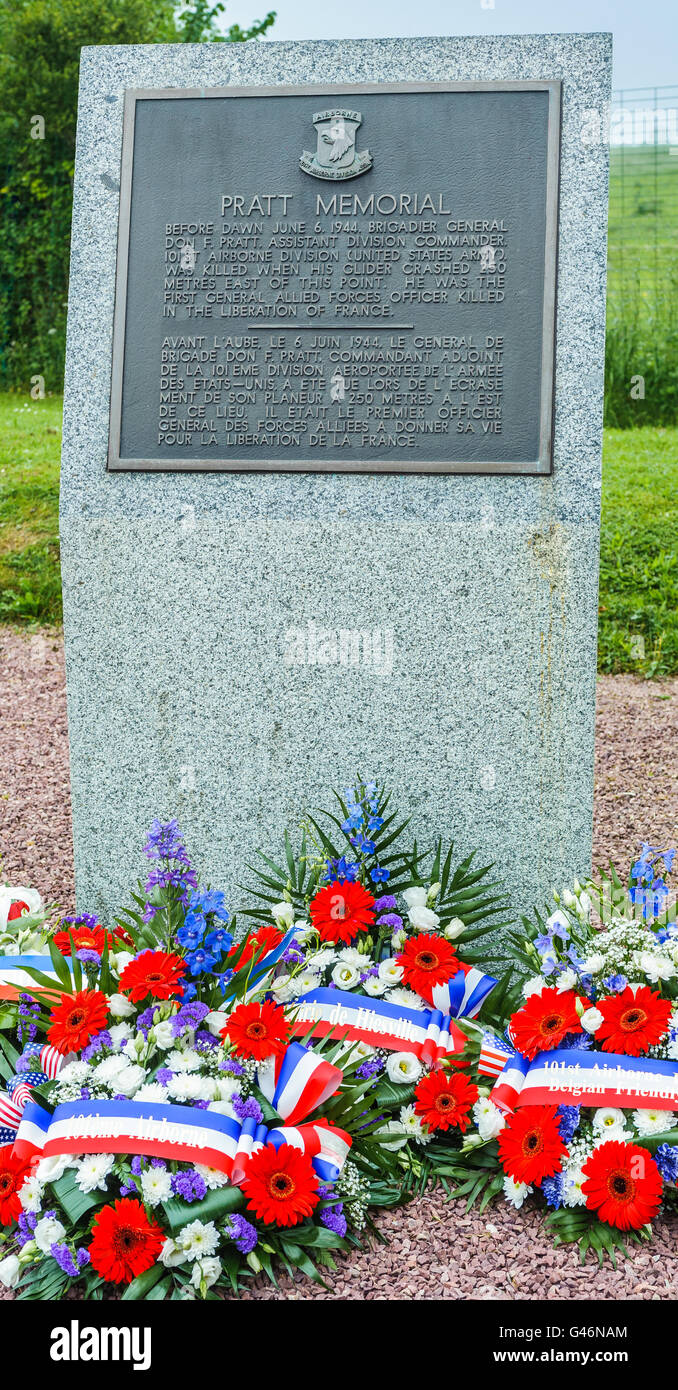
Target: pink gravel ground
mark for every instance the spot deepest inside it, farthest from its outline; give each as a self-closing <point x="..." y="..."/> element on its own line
<point x="435" y="1249"/>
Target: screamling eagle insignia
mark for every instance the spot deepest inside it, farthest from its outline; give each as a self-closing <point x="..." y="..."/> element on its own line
<point x="336" y="156"/>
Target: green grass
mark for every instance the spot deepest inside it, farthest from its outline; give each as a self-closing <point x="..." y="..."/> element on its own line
<point x="642" y="222"/>
<point x="639" y="562"/>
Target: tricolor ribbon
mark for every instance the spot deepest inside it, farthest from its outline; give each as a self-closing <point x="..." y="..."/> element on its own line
<point x="19" y="1088"/>
<point x="187" y="1135"/>
<point x="464" y="994"/>
<point x="430" y="1034"/>
<point x="14" y="977"/>
<point x="568" y="1076"/>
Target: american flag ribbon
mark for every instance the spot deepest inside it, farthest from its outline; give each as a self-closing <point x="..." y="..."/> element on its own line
<point x="493" y="1054"/>
<point x="19" y="1087"/>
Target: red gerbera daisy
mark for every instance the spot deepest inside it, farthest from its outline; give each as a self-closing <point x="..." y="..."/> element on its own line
<point x="530" y="1144"/>
<point x="264" y="939"/>
<point x="544" y="1020"/>
<point x="281" y="1185"/>
<point x="85" y="939"/>
<point x="257" y="1030"/>
<point x="444" y="1100"/>
<point x="340" y="910"/>
<point x="13" y="1172"/>
<point x="77" y="1018"/>
<point x="623" y="1184"/>
<point x="427" y="960"/>
<point x="633" y="1021"/>
<point x="124" y="1241"/>
<point x="155" y="973"/>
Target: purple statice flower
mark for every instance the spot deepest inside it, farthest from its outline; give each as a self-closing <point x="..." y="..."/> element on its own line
<point x="128" y="1189"/>
<point x="390" y="919"/>
<point x="204" y="1042"/>
<point x="666" y="1159"/>
<point x="552" y="1189"/>
<point x="189" y="1016"/>
<point x="232" y="1066"/>
<point x="242" y="1233"/>
<point x="372" y="1066"/>
<point x="85" y="1093"/>
<point x="387" y="903"/>
<point x="28" y="1008"/>
<point x="101" y="1040"/>
<point x="136" y="1165"/>
<point x="567" y="1117"/>
<point x="26" y="1224"/>
<point x="65" y="1260"/>
<point x="82" y="919"/>
<point x="249" y="1109"/>
<point x="293" y="955"/>
<point x="163" y="1076"/>
<point x="367" y="974"/>
<point x="146" y="1019"/>
<point x="87" y="957"/>
<point x="334" y="1219"/>
<point x="82" y="1257"/>
<point x="200" y="1104"/>
<point x="189" y="1185"/>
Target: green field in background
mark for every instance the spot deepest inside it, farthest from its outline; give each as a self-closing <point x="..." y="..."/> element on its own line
<point x="638" y="628"/>
<point x="643" y="218"/>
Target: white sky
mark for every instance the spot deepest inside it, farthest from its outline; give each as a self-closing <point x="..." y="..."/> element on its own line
<point x="645" y="34"/>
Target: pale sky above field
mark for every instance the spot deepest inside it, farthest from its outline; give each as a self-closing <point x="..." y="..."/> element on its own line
<point x="645" y="34"/>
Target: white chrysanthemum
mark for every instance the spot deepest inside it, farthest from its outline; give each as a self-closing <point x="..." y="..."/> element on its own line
<point x="415" y="897"/>
<point x="423" y="918"/>
<point x="47" y="1233"/>
<point x="516" y="1192"/>
<point x="320" y="960"/>
<point x="348" y="955"/>
<point x="345" y="976"/>
<point x="74" y="1073"/>
<point x="156" y="1186"/>
<point x="30" y="1194"/>
<point x="621" y="1136"/>
<point x="534" y="986"/>
<point x="608" y="1119"/>
<point x="222" y="1107"/>
<point x="390" y="971"/>
<point x="92" y="1171"/>
<point x="171" y="1254"/>
<point x="212" y="1177"/>
<point x="407" y="999"/>
<point x="305" y="981"/>
<point x="199" y="1239"/>
<point x="283" y="914"/>
<point x="488" y="1118"/>
<point x="374" y="986"/>
<point x="412" y="1125"/>
<point x="183" y="1059"/>
<point x="403" y="1068"/>
<point x="51" y="1169"/>
<point x="128" y="1081"/>
<point x="153" y="1093"/>
<point x="573" y="1177"/>
<point x="108" y="1070"/>
<point x="120" y="1033"/>
<point x="656" y="968"/>
<point x="283" y="989"/>
<point x="653" y="1121"/>
<point x="187" y="1086"/>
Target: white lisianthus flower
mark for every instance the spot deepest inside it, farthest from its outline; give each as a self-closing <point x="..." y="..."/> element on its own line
<point x="212" y="1177"/>
<point x="215" y="1022"/>
<point x="156" y="1186"/>
<point x="398" y="939"/>
<point x="30" y="1194"/>
<point x="454" y="929"/>
<point x="593" y="964"/>
<point x="303" y="931"/>
<point x="488" y="1118"/>
<point x="128" y="1081"/>
<point x="224" y="1087"/>
<point x="283" y="988"/>
<point x="47" y="1233"/>
<point x="653" y="1121"/>
<point x="9" y="1272"/>
<point x="515" y="1192"/>
<point x="566" y="980"/>
<point x="153" y="1093"/>
<point x="607" y="1118"/>
<point x="120" y="1033"/>
<point x="122" y="959"/>
<point x="567" y="898"/>
<point x="534" y="986"/>
<point x="357" y="1052"/>
<point x="51" y="1169"/>
<point x="283" y="914"/>
<point x="423" y="918"/>
<point x="199" y="1239"/>
<point x="206" y="1271"/>
<point x="222" y="1107"/>
<point x="92" y="1171"/>
<point x="184" y="1059"/>
<point x="415" y="897"/>
<point x="584" y="905"/>
<point x="403" y="1068"/>
<point x="321" y="959"/>
<point x="573" y="1177"/>
<point x="591" y="1020"/>
<point x="390" y="971"/>
<point x="74" y="1073"/>
<point x="375" y="986"/>
<point x="120" y="1006"/>
<point x="171" y="1254"/>
<point x="397" y="1136"/>
<point x="305" y="981"/>
<point x="413" y="1126"/>
<point x="345" y="976"/>
<point x="163" y="1035"/>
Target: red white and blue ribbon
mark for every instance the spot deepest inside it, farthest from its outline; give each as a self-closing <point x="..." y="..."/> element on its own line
<point x="464" y="994"/>
<point x="263" y="968"/>
<point x="14" y="976"/>
<point x="493" y="1054"/>
<point x="430" y="1034"/>
<point x="567" y="1076"/>
<point x="297" y="1081"/>
<point x="19" y="1088"/>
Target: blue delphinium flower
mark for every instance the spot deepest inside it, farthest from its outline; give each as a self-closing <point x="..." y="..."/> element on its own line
<point x="242" y="1233"/>
<point x="666" y="1159"/>
<point x="567" y="1117"/>
<point x="379" y="874"/>
<point x="164" y="840"/>
<point x="192" y="931"/>
<point x="616" y="983"/>
<point x="552" y="1189"/>
<point x="200" y="961"/>
<point x="219" y="940"/>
